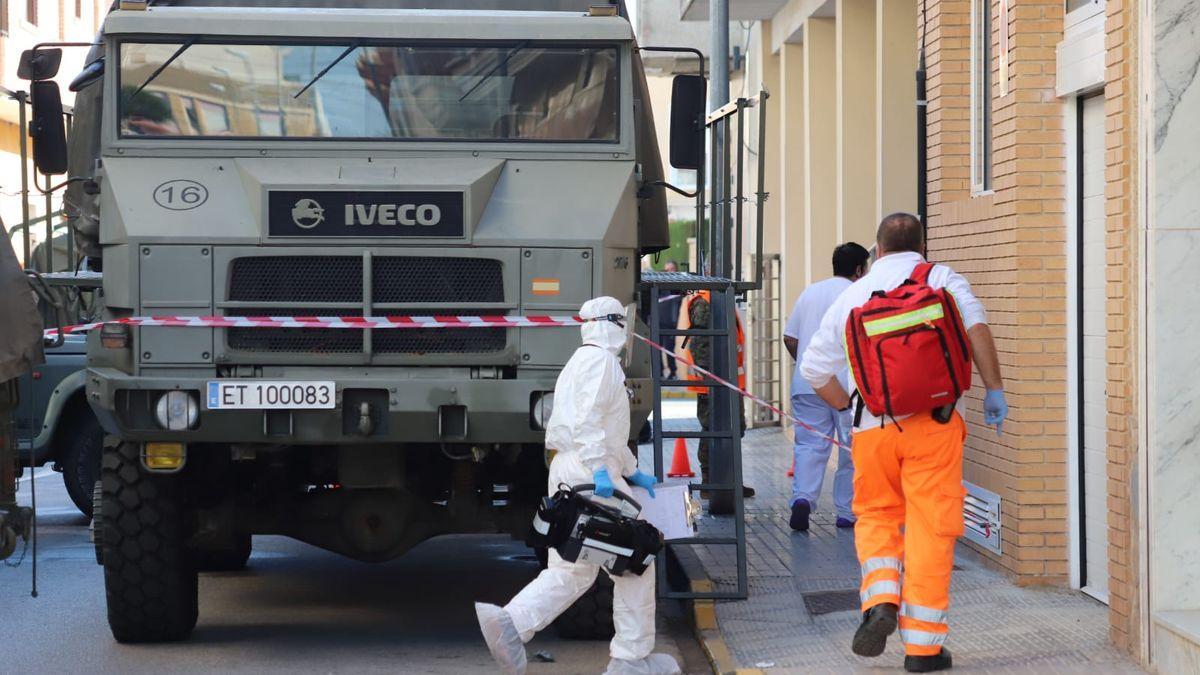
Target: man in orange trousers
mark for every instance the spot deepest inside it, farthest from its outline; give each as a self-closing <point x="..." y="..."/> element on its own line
<point x="908" y="493"/>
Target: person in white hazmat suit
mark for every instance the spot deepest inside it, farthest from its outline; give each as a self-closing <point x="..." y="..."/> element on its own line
<point x="589" y="429"/>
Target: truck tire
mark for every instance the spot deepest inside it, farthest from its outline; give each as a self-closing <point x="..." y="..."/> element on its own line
<point x="80" y="456"/>
<point x="149" y="579"/>
<point x="225" y="560"/>
<point x="591" y="617"/>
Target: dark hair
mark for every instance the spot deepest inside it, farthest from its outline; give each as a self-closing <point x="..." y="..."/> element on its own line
<point x="848" y="257"/>
<point x="900" y="232"/>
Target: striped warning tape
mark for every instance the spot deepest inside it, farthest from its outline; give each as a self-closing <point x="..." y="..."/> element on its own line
<point x="742" y="392"/>
<point x="358" y="322"/>
<point x="402" y="322"/>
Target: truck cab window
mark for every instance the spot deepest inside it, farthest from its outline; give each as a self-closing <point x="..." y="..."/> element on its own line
<point x="490" y="92"/>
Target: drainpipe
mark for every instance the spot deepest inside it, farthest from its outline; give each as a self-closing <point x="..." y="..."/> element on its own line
<point x="922" y="139"/>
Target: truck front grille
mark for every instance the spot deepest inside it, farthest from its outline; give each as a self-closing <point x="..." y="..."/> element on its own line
<point x="429" y="280"/>
<point x="327" y="278"/>
<point x="297" y="278"/>
<point x="294" y="340"/>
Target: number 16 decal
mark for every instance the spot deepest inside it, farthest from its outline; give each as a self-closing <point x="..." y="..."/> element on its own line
<point x="180" y="195"/>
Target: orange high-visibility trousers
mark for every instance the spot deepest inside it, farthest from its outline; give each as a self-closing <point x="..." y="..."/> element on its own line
<point x="908" y="497"/>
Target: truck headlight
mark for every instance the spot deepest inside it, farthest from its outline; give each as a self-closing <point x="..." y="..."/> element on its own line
<point x="543" y="407"/>
<point x="177" y="410"/>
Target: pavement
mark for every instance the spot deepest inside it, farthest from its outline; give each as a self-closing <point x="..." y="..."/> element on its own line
<point x="803" y="607"/>
<point x="294" y="609"/>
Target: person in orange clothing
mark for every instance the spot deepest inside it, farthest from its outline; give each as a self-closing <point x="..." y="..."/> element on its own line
<point x="695" y="312"/>
<point x="908" y="493"/>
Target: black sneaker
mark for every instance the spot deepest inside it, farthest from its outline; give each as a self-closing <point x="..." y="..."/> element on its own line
<point x="747" y="492"/>
<point x="800" y="511"/>
<point x="928" y="664"/>
<point x="878" y="623"/>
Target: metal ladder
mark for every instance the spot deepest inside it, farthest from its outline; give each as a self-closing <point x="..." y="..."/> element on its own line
<point x="724" y="432"/>
<point x="720" y="254"/>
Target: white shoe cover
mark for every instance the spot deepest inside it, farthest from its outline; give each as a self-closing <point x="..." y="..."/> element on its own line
<point x="502" y="638"/>
<point x="655" y="664"/>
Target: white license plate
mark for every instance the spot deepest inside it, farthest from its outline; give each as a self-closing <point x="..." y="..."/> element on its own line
<point x="264" y="395"/>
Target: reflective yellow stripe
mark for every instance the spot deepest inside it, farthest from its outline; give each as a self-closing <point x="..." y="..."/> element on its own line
<point x="906" y="320"/>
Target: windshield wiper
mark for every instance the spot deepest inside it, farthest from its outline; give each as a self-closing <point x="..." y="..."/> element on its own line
<point x="487" y="76"/>
<point x="158" y="71"/>
<point x="326" y="69"/>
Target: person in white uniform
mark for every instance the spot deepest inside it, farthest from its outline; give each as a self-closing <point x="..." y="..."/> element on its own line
<point x="810" y="453"/>
<point x="589" y="429"/>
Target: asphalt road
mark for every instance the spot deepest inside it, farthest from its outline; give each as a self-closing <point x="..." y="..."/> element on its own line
<point x="296" y="609"/>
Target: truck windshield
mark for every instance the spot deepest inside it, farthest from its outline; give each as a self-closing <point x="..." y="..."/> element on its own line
<point x="485" y="92"/>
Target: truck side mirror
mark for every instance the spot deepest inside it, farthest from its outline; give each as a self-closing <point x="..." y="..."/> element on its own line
<point x="46" y="128"/>
<point x="687" y="114"/>
<point x="91" y="73"/>
<point x="39" y="64"/>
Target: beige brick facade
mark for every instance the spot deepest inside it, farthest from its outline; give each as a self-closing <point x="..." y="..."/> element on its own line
<point x="1010" y="243"/>
<point x="1121" y="220"/>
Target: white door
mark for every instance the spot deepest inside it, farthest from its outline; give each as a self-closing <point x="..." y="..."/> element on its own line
<point x="1093" y="404"/>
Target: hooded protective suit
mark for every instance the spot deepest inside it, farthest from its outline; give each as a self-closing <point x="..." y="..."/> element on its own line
<point x="589" y="429"/>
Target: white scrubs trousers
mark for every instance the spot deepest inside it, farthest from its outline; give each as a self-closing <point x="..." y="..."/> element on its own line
<point x="811" y="454"/>
<point x="562" y="583"/>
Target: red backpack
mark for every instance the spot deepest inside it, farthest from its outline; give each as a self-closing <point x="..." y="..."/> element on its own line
<point x="908" y="349"/>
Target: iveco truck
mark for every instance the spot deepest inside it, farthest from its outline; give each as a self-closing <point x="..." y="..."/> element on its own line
<point x="360" y="159"/>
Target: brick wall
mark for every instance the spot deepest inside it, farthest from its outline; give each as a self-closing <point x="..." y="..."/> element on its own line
<point x="1015" y="234"/>
<point x="1121" y="225"/>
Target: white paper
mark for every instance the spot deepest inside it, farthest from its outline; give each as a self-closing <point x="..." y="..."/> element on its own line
<point x="668" y="510"/>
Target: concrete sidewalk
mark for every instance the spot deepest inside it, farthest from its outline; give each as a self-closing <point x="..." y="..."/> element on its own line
<point x="803" y="607"/>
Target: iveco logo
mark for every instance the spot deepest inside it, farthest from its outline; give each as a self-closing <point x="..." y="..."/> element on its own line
<point x="393" y="214"/>
<point x="307" y="214"/>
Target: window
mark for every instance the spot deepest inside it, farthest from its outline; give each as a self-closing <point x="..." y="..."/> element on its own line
<point x="420" y="91"/>
<point x="31" y="11"/>
<point x="981" y="95"/>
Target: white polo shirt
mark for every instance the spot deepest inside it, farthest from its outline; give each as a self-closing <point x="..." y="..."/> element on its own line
<point x="826" y="355"/>
<point x="804" y="320"/>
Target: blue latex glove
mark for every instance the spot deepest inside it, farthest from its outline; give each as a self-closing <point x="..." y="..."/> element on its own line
<point x="995" y="408"/>
<point x="604" y="484"/>
<point x="643" y="480"/>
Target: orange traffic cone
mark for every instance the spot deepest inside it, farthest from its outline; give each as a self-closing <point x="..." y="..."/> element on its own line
<point x="681" y="467"/>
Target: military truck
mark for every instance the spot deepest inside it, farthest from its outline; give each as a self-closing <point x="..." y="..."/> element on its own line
<point x="353" y="159"/>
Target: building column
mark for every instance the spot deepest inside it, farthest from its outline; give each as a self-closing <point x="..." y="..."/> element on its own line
<point x="790" y="197"/>
<point x="820" y="147"/>
<point x="895" y="107"/>
<point x="856" y="113"/>
<point x="769" y="79"/>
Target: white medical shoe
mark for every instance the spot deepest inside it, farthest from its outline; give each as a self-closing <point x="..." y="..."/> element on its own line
<point x="655" y="664"/>
<point x="502" y="638"/>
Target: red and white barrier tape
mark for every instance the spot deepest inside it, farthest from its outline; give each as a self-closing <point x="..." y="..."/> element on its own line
<point x="403" y="322"/>
<point x="358" y="322"/>
<point x="745" y="394"/>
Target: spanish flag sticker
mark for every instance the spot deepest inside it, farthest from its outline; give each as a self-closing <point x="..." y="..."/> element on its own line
<point x="545" y="286"/>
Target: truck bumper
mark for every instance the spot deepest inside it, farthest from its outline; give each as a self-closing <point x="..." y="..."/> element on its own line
<point x="402" y="409"/>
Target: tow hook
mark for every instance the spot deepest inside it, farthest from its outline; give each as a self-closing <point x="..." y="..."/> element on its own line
<point x="365" y="425"/>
